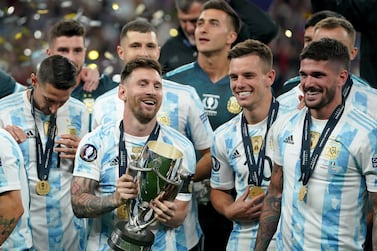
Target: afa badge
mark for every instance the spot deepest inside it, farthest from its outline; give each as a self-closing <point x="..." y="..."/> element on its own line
<point x="88" y="153"/>
<point x="233" y="106"/>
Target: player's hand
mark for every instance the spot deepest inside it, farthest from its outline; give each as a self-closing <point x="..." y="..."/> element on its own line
<point x="126" y="189"/>
<point x="246" y="209"/>
<point x="17" y="133"/>
<point x="67" y="146"/>
<point x="164" y="210"/>
<point x="90" y="77"/>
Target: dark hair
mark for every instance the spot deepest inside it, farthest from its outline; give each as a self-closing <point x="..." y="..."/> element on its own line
<point x="320" y="15"/>
<point x="252" y="47"/>
<point x="140" y="62"/>
<point x="140" y="25"/>
<point x="68" y="28"/>
<point x="185" y="5"/>
<point x="225" y="7"/>
<point x="58" y="71"/>
<point x="327" y="49"/>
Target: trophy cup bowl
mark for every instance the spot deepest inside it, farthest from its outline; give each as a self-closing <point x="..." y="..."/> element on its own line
<point x="158" y="171"/>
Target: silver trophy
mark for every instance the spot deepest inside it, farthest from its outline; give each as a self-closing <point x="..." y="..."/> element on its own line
<point x="157" y="171"/>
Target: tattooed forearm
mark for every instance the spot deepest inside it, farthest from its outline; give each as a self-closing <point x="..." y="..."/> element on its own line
<point x="269" y="218"/>
<point x="373" y="202"/>
<point x="268" y="222"/>
<point x="6" y="227"/>
<point x="85" y="203"/>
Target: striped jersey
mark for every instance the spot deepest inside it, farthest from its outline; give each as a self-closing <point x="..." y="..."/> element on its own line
<point x="332" y="216"/>
<point x="104" y="168"/>
<point x="231" y="171"/>
<point x="13" y="177"/>
<point x="361" y="96"/>
<point x="181" y="109"/>
<point x="53" y="224"/>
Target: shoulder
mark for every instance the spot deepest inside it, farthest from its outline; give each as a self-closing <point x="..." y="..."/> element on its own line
<point x="182" y="70"/>
<point x="109" y="95"/>
<point x="173" y="86"/>
<point x="13" y="101"/>
<point x="229" y="127"/>
<point x="74" y="102"/>
<point x="359" y="119"/>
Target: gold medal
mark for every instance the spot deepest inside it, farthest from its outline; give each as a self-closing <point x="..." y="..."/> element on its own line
<point x="302" y="194"/>
<point x="255" y="191"/>
<point x="42" y="187"/>
<point x="122" y="212"/>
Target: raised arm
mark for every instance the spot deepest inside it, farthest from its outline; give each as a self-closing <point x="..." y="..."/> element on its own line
<point x="256" y="23"/>
<point x="269" y="218"/>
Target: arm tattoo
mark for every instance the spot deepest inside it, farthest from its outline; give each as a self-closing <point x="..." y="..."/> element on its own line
<point x="6" y="227"/>
<point x="269" y="218"/>
<point x="373" y="201"/>
<point x="85" y="203"/>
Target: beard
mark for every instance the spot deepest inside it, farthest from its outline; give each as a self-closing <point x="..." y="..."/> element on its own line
<point x="325" y="99"/>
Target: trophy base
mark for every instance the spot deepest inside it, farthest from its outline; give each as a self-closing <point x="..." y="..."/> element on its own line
<point x="122" y="239"/>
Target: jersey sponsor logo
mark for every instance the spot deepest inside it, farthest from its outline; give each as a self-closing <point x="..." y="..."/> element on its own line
<point x="215" y="164"/>
<point x="88" y="153"/>
<point x="289" y="140"/>
<point x="29" y="133"/>
<point x="114" y="162"/>
<point x="210" y="103"/>
<point x="235" y="154"/>
<point x="233" y="106"/>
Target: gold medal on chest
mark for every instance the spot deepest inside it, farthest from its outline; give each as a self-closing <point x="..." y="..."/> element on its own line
<point x="122" y="212"/>
<point x="255" y="191"/>
<point x="302" y="194"/>
<point x="42" y="187"/>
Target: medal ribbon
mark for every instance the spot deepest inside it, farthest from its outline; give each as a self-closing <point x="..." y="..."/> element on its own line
<point x="347" y="88"/>
<point x="256" y="169"/>
<point x="43" y="157"/>
<point x="308" y="162"/>
<point x="122" y="154"/>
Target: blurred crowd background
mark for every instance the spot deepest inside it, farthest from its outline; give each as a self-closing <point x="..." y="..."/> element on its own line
<point x="24" y="25"/>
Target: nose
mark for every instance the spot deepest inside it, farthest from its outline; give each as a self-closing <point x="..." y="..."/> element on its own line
<point x="190" y="26"/>
<point x="55" y="106"/>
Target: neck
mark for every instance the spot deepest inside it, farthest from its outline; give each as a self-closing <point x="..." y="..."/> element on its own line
<point x="324" y="112"/>
<point x="259" y="112"/>
<point x="136" y="128"/>
<point x="215" y="65"/>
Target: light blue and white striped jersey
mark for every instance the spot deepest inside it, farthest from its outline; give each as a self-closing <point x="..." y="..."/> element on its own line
<point x="182" y="110"/>
<point x="105" y="169"/>
<point x="13" y="177"/>
<point x="362" y="96"/>
<point x="53" y="224"/>
<point x="333" y="214"/>
<point x="231" y="171"/>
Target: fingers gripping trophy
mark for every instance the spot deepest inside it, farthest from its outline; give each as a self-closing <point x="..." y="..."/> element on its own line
<point x="158" y="172"/>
